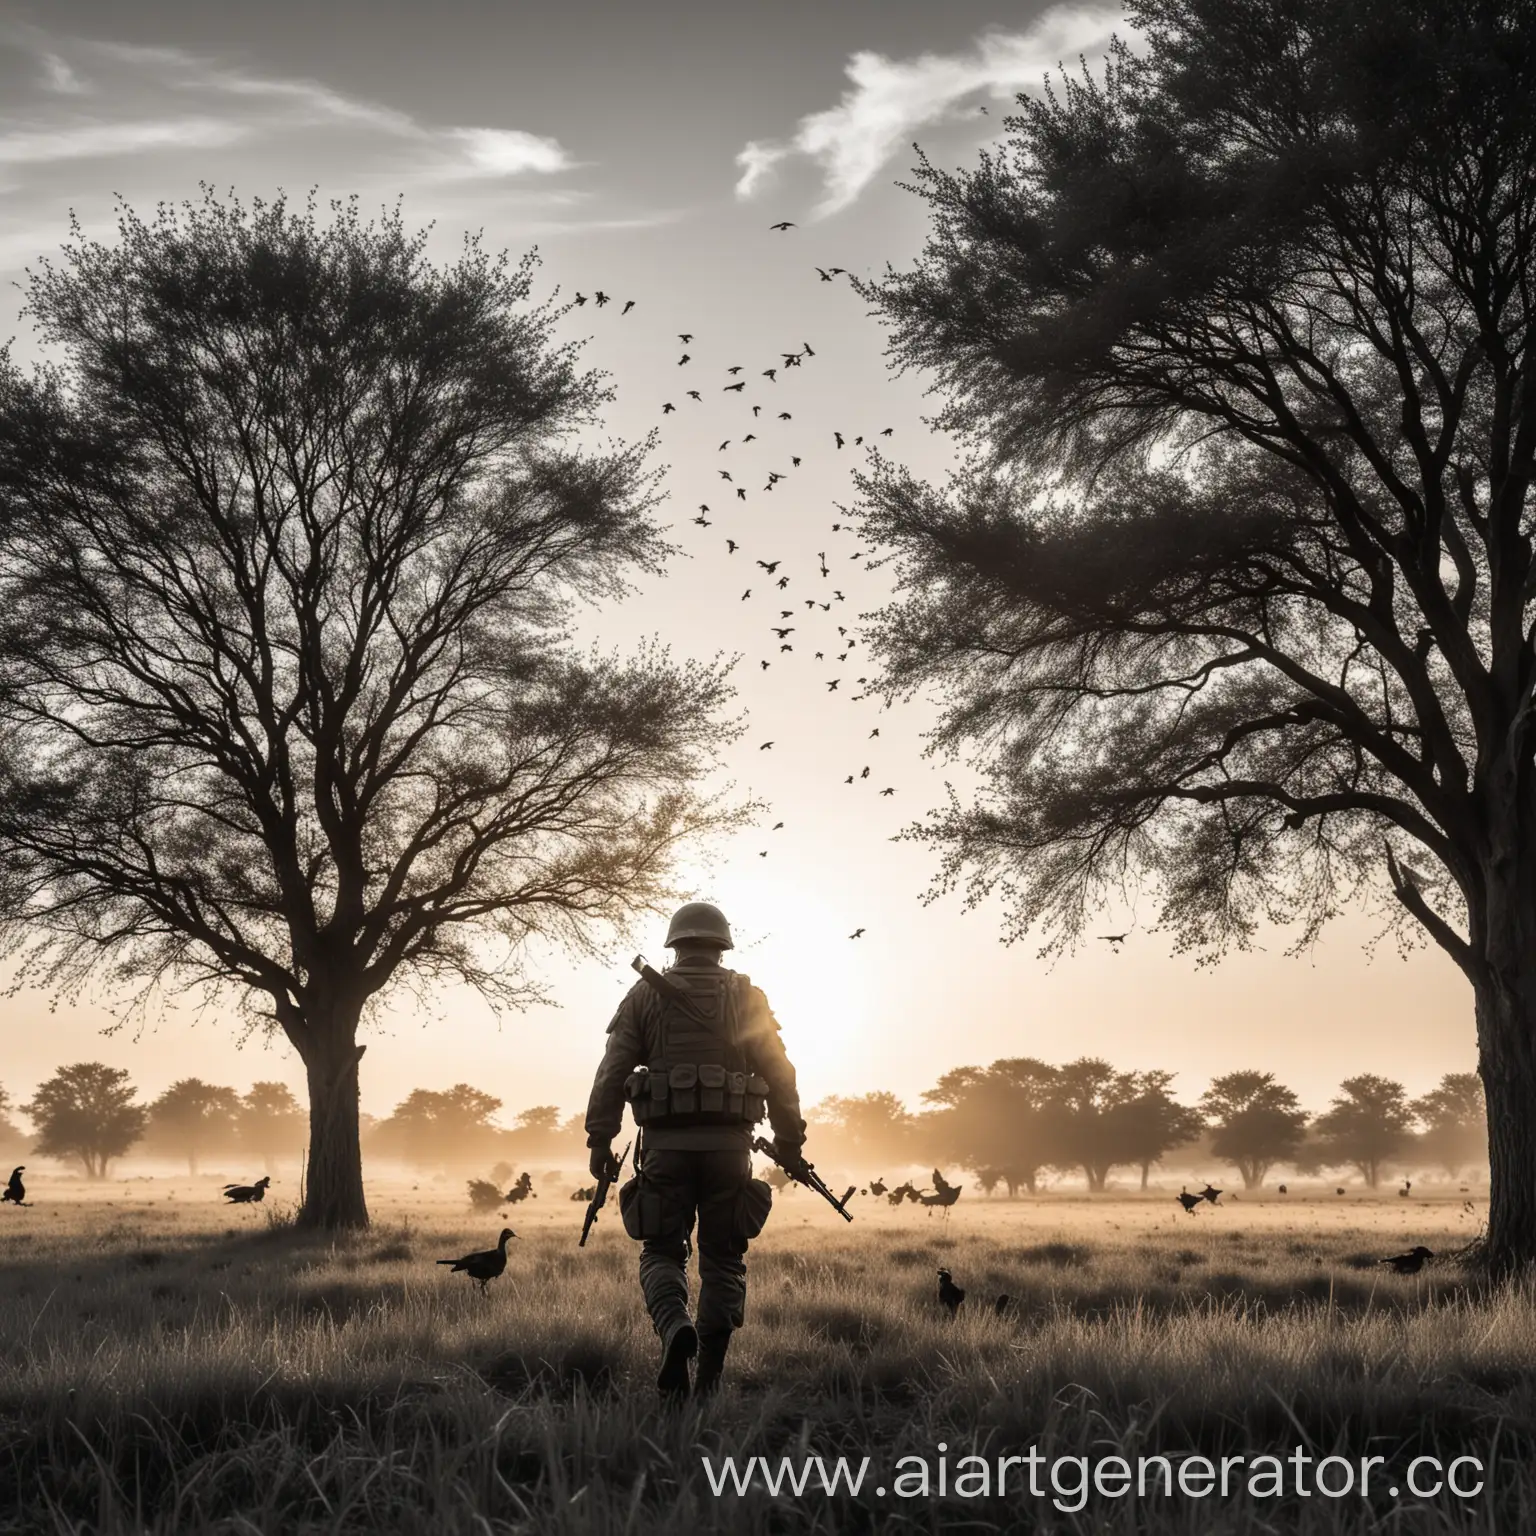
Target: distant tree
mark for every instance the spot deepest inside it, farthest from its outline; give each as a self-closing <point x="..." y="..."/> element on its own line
<point x="866" y="1128"/>
<point x="1255" y="1122"/>
<point x="1454" y="1121"/>
<point x="86" y="1111"/>
<point x="994" y="1118"/>
<point x="430" y="1127"/>
<point x="1367" y="1122"/>
<point x="293" y="534"/>
<point x="1234" y="590"/>
<point x="272" y="1121"/>
<point x="1151" y="1123"/>
<point x="1086" y="1119"/>
<point x="541" y="1119"/>
<point x="190" y="1116"/>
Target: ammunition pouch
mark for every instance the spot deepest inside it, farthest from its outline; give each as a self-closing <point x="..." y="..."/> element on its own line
<point x="688" y="1093"/>
<point x="645" y="1212"/>
<point x="752" y="1207"/>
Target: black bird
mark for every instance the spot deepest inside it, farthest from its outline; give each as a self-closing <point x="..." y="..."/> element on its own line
<point x="864" y="771"/>
<point x="765" y="746"/>
<point x="482" y="1268"/>
<point x="1116" y="939"/>
<point x="832" y="686"/>
<point x="629" y="305"/>
<point x="757" y="410"/>
<point x="581" y="298"/>
<point x="1003" y="1306"/>
<point x="684" y="359"/>
<point x="1284" y="1190"/>
<point x="737" y="387"/>
<point x="887" y="431"/>
<point x="15" y="1191"/>
<point x="891" y="791"/>
<point x="723" y="446"/>
<point x="751" y="437"/>
<point x="745" y="595"/>
<point x="806" y="346"/>
<point x="785" y="416"/>
<point x="788" y="630"/>
<point x="874" y="732"/>
<point x="734" y="371"/>
<point x="771" y="374"/>
<point x="685" y="337"/>
<point x="724" y="474"/>
<point x="703" y="521"/>
<point x="1211" y="1194"/>
<point x="246" y="1194"/>
<point x="839" y="437"/>
<point x="950" y="1294"/>
<point x="763" y="665"/>
<point x="775" y="827"/>
<point x="782" y="582"/>
<point x="1188" y="1201"/>
<point x="782" y="224"/>
<point x="825" y="276"/>
<point x="770" y="565"/>
<point x="1339" y="1190"/>
<point x="731" y="546"/>
<point x="601" y="297"/>
<point x="741" y="495"/>
<point x="857" y="933"/>
<point x="693" y="394"/>
<point x="667" y="408"/>
<point x="849" y="779"/>
<point x="1409" y="1263"/>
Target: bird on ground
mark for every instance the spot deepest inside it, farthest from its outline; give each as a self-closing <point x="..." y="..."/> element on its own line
<point x="1283" y="1190"/>
<point x="1409" y="1263"/>
<point x="782" y="224"/>
<point x="601" y="297"/>
<point x="857" y="933"/>
<point x="1188" y="1201"/>
<point x="765" y="746"/>
<point x="1407" y="1188"/>
<point x="15" y="1190"/>
<point x="482" y="1268"/>
<point x="950" y="1294"/>
<point x="246" y="1194"/>
<point x="629" y="305"/>
<point x="1211" y="1194"/>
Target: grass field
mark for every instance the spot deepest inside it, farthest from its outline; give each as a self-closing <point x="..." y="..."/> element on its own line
<point x="167" y="1364"/>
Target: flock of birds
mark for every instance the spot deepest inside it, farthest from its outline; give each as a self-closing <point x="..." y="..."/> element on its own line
<point x="797" y="628"/>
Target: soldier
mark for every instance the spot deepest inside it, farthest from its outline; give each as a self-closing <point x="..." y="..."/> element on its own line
<point x="697" y="1084"/>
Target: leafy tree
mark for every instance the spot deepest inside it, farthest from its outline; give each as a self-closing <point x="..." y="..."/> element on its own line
<point x="86" y="1111"/>
<point x="451" y="1126"/>
<point x="191" y="1115"/>
<point x="1256" y="1121"/>
<point x="272" y="1121"/>
<point x="292" y="539"/>
<point x="866" y="1129"/>
<point x="993" y="1119"/>
<point x="1367" y="1122"/>
<point x="1152" y="1123"/>
<point x="1086" y="1120"/>
<point x="541" y="1119"/>
<point x="1234" y="587"/>
<point x="1455" y="1121"/>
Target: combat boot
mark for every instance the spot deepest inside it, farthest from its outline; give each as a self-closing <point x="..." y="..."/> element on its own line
<point x="712" y="1348"/>
<point x="681" y="1346"/>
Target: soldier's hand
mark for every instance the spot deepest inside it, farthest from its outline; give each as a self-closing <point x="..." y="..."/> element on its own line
<point x="790" y="1159"/>
<point x="602" y="1164"/>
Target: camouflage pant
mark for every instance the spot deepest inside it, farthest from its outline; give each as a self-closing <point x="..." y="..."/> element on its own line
<point x="706" y="1186"/>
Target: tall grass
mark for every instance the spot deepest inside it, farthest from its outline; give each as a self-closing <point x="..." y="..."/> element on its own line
<point x="167" y="1370"/>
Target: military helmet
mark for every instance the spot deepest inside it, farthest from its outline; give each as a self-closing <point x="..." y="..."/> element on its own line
<point x="699" y="920"/>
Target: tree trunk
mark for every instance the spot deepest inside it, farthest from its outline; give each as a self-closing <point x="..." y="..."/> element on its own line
<point x="1506" y="1032"/>
<point x="333" y="1190"/>
<point x="1146" y="1168"/>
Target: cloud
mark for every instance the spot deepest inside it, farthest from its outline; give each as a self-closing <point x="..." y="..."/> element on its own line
<point x="508" y="152"/>
<point x="86" y="141"/>
<point x="61" y="77"/>
<point x="888" y="99"/>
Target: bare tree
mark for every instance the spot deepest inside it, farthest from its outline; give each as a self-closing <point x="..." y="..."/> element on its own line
<point x="291" y="551"/>
<point x="1235" y="589"/>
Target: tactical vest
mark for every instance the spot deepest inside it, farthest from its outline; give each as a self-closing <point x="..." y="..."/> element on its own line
<point x="698" y="1073"/>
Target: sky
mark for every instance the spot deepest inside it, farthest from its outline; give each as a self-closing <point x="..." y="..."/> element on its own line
<point x="646" y="150"/>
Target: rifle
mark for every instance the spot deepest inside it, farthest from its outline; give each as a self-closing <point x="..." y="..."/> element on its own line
<point x="807" y="1176"/>
<point x="668" y="989"/>
<point x="600" y="1195"/>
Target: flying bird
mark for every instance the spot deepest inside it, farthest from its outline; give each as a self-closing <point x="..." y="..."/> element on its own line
<point x="723" y="446"/>
<point x="629" y="305"/>
<point x="731" y="546"/>
<point x="737" y="387"/>
<point x="770" y="565"/>
<point x="482" y="1268"/>
<point x="788" y="630"/>
<point x="806" y="346"/>
<point x="685" y="337"/>
<point x="873" y="733"/>
<point x="693" y="394"/>
<point x="865" y="773"/>
<point x="785" y="416"/>
<point x="763" y="665"/>
<point x="581" y="298"/>
<point x="839" y="437"/>
<point x="745" y="595"/>
<point x="888" y="791"/>
<point x="858" y="933"/>
<point x="724" y="474"/>
<point x="751" y="437"/>
<point x="734" y="371"/>
<point x="703" y="521"/>
<point x="685" y="358"/>
<point x="825" y="276"/>
<point x="782" y="582"/>
<point x="1210" y="1193"/>
<point x="601" y="297"/>
<point x="1188" y="1201"/>
<point x="667" y="408"/>
<point x="771" y="374"/>
<point x="765" y="746"/>
<point x="782" y="224"/>
<point x="1114" y="940"/>
<point x="886" y="431"/>
<point x="832" y="686"/>
<point x="741" y="493"/>
<point x="775" y="827"/>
